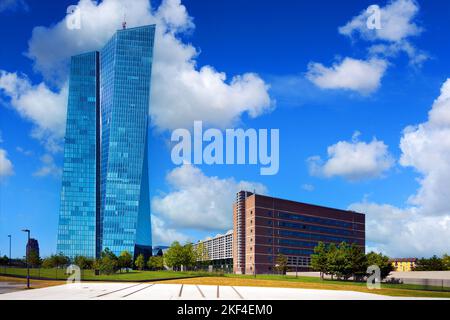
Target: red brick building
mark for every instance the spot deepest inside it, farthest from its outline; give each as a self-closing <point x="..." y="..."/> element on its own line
<point x="265" y="227"/>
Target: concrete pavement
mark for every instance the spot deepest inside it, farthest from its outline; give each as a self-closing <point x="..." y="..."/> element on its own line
<point x="6" y="287"/>
<point x="156" y="291"/>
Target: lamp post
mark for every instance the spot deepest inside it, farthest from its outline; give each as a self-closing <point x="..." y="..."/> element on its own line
<point x="26" y="258"/>
<point x="9" y="236"/>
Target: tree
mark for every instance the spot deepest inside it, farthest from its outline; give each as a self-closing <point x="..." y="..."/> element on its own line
<point x="201" y="254"/>
<point x="332" y="260"/>
<point x="47" y="263"/>
<point x="140" y="262"/>
<point x="155" y="263"/>
<point x="173" y="256"/>
<point x="189" y="258"/>
<point x="319" y="259"/>
<point x="178" y="255"/>
<point x="446" y="262"/>
<point x="358" y="261"/>
<point x="60" y="260"/>
<point x="382" y="262"/>
<point x="55" y="261"/>
<point x="33" y="258"/>
<point x="343" y="268"/>
<point x="83" y="262"/>
<point x="108" y="262"/>
<point x="344" y="261"/>
<point x="125" y="260"/>
<point x="432" y="264"/>
<point x="4" y="260"/>
<point x="281" y="264"/>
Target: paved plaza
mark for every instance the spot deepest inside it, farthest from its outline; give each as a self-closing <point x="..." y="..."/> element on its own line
<point x="155" y="291"/>
<point x="6" y="287"/>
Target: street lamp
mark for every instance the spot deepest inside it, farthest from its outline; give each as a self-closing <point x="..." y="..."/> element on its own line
<point x="9" y="236"/>
<point x="26" y="258"/>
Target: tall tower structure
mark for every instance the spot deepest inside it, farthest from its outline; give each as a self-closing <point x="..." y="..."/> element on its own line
<point x="79" y="207"/>
<point x="239" y="234"/>
<point x="125" y="73"/>
<point x="105" y="188"/>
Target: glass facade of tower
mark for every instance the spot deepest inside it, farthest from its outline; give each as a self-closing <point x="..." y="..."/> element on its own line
<point x="105" y="187"/>
<point x="78" y="209"/>
<point x="126" y="62"/>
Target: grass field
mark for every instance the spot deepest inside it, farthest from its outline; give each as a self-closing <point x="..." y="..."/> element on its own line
<point x="306" y="283"/>
<point x="88" y="275"/>
<point x="35" y="284"/>
<point x="334" y="282"/>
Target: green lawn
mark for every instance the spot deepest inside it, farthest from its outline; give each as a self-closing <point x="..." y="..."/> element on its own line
<point x="59" y="274"/>
<point x="334" y="282"/>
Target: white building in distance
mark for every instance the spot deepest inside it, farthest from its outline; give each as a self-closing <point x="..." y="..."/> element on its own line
<point x="218" y="249"/>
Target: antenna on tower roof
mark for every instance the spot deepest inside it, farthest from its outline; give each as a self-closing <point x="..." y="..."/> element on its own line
<point x="124" y="23"/>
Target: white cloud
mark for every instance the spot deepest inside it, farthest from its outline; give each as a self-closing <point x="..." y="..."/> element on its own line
<point x="426" y="148"/>
<point x="397" y="22"/>
<point x="404" y="232"/>
<point x="422" y="227"/>
<point x="198" y="201"/>
<point x="45" y="108"/>
<point x="416" y="57"/>
<point x="362" y="76"/>
<point x="181" y="91"/>
<point x="398" y="25"/>
<point x="162" y="235"/>
<point x="48" y="167"/>
<point x="6" y="166"/>
<point x="353" y="160"/>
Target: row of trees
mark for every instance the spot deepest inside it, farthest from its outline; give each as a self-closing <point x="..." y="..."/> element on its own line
<point x="33" y="259"/>
<point x="109" y="263"/>
<point x="344" y="261"/>
<point x="433" y="264"/>
<point x="177" y="255"/>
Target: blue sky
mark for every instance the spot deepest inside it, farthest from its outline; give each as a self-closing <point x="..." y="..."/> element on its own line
<point x="324" y="87"/>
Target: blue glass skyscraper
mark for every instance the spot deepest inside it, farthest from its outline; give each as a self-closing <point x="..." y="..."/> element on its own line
<point x="121" y="215"/>
<point x="79" y="192"/>
<point x="126" y="62"/>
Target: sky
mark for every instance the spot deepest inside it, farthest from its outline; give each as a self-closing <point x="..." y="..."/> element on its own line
<point x="363" y="114"/>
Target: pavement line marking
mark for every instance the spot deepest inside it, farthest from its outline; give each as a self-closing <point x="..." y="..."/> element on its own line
<point x="129" y="294"/>
<point x="218" y="296"/>
<point x="200" y="291"/>
<point x="181" y="291"/>
<point x="104" y="294"/>
<point x="240" y="296"/>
